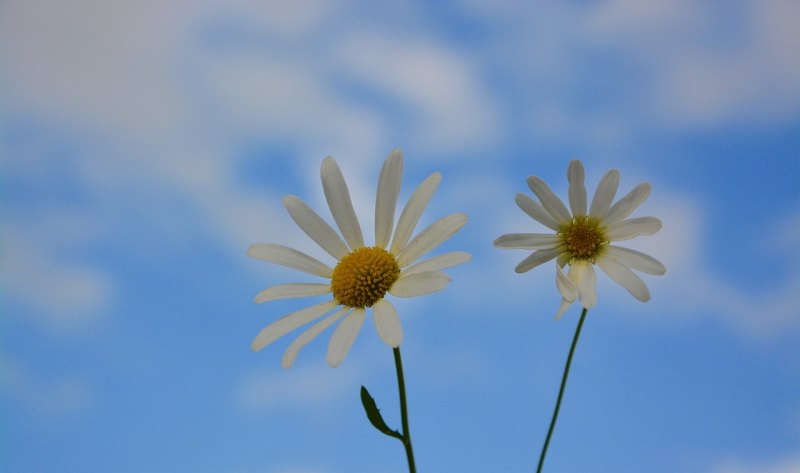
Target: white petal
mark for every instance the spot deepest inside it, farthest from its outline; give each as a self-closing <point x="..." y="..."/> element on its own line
<point x="536" y="211"/>
<point x="302" y="340"/>
<point x="604" y="194"/>
<point x="344" y="336"/>
<point x="625" y="278"/>
<point x="528" y="241"/>
<point x="586" y="280"/>
<point x="577" y="188"/>
<point x="289" y="257"/>
<point x="316" y="228"/>
<point x="387" y="323"/>
<point x="386" y="199"/>
<point x="339" y="202"/>
<point x="549" y="200"/>
<point x="412" y="212"/>
<point x="430" y="238"/>
<point x="563" y="308"/>
<point x="633" y="227"/>
<point x="636" y="260"/>
<point x="626" y="205"/>
<point x="287" y="323"/>
<point x="536" y="258"/>
<point x="445" y="260"/>
<point x="287" y="291"/>
<point x="567" y="288"/>
<point x="419" y="284"/>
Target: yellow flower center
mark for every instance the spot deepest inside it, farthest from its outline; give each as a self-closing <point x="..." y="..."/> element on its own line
<point x="583" y="238"/>
<point x="363" y="276"/>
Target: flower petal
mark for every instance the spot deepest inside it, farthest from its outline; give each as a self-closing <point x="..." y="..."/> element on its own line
<point x="563" y="308"/>
<point x="536" y="211"/>
<point x="625" y="278"/>
<point x="387" y="323"/>
<point x="633" y="227"/>
<point x="386" y="200"/>
<point x="412" y="212"/>
<point x="419" y="284"/>
<point x="344" y="336"/>
<point x="626" y="205"/>
<point x="287" y="291"/>
<point x="528" y="241"/>
<point x="577" y="188"/>
<point x="604" y="194"/>
<point x="536" y="258"/>
<point x="430" y="238"/>
<point x="339" y="202"/>
<point x="636" y="260"/>
<point x="289" y="257"/>
<point x="445" y="260"/>
<point x="287" y="323"/>
<point x="586" y="280"/>
<point x="567" y="288"/>
<point x="316" y="228"/>
<point x="549" y="200"/>
<point x="302" y="340"/>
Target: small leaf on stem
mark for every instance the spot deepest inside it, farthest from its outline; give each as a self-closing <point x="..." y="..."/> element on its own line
<point x="374" y="415"/>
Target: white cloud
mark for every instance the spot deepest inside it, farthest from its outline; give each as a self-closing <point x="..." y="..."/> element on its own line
<point x="784" y="465"/>
<point x="57" y="396"/>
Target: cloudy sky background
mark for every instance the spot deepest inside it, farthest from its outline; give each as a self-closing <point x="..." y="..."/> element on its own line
<point x="145" y="146"/>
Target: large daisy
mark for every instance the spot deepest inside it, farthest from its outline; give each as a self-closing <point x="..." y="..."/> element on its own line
<point x="584" y="235"/>
<point x="362" y="275"/>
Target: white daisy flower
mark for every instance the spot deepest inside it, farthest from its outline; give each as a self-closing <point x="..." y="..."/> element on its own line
<point x="583" y="238"/>
<point x="363" y="274"/>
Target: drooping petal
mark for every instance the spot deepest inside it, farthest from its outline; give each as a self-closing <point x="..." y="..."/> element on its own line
<point x="586" y="281"/>
<point x="316" y="228"/>
<point x="536" y="211"/>
<point x="287" y="323"/>
<point x="445" y="260"/>
<point x="528" y="241"/>
<point x="302" y="340"/>
<point x="626" y="205"/>
<point x="536" y="258"/>
<point x="387" y="323"/>
<point x="633" y="227"/>
<point x="287" y="291"/>
<point x="636" y="260"/>
<point x="567" y="288"/>
<point x="339" y="202"/>
<point x="289" y="257"/>
<point x="549" y="200"/>
<point x="412" y="212"/>
<point x="430" y="238"/>
<point x="386" y="199"/>
<point x="625" y="278"/>
<point x="563" y="308"/>
<point x="577" y="188"/>
<point x="604" y="194"/>
<point x="344" y="336"/>
<point x="419" y="284"/>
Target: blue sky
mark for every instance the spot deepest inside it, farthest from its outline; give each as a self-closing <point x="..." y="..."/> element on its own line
<point x="144" y="147"/>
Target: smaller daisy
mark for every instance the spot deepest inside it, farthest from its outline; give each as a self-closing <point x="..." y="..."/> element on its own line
<point x="583" y="237"/>
<point x="363" y="275"/>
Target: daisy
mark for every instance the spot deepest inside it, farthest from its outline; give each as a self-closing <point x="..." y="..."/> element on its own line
<point x="583" y="237"/>
<point x="362" y="275"/>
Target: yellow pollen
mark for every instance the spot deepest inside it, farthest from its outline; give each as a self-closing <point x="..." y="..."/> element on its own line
<point x="363" y="276"/>
<point x="583" y="238"/>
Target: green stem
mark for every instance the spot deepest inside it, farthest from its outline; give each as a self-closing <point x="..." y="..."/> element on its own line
<point x="401" y="385"/>
<point x="561" y="391"/>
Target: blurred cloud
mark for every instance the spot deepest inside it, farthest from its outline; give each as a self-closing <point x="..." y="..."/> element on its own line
<point x="785" y="465"/>
<point x="44" y="397"/>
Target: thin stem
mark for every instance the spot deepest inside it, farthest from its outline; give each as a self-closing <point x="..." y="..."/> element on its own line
<point x="561" y="391"/>
<point x="401" y="385"/>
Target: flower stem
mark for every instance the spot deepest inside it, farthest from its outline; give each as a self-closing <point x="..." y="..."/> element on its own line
<point x="561" y="391"/>
<point x="401" y="385"/>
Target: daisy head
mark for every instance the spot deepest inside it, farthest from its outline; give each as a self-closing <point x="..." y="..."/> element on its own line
<point x="362" y="275"/>
<point x="583" y="236"/>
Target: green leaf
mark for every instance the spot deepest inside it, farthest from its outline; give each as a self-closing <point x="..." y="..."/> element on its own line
<point x="374" y="415"/>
